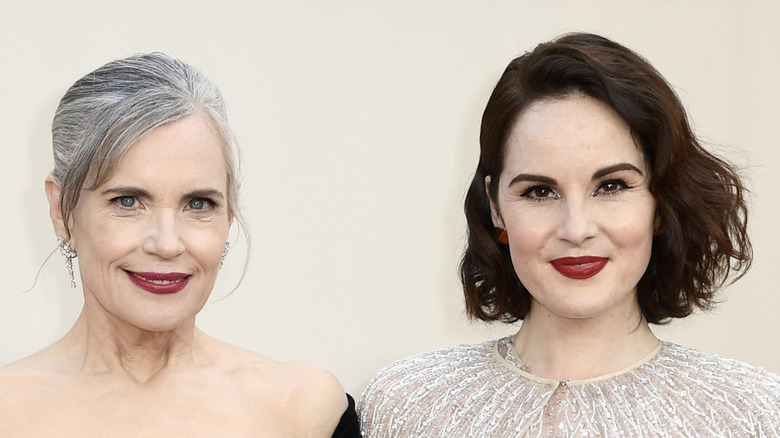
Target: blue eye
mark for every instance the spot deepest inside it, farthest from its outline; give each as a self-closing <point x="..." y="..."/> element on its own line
<point x="126" y="201"/>
<point x="198" y="203"/>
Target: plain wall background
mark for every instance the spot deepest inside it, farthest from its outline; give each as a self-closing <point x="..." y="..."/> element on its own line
<point x="359" y="122"/>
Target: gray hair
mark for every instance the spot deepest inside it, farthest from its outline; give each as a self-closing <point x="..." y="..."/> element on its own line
<point x="109" y="110"/>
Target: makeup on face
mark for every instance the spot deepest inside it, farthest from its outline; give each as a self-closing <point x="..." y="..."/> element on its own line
<point x="576" y="206"/>
<point x="579" y="268"/>
<point x="158" y="282"/>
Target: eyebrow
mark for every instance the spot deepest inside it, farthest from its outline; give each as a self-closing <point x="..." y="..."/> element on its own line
<point x="126" y="191"/>
<point x="616" y="168"/>
<point x="205" y="193"/>
<point x="530" y="177"/>
<point x="596" y="175"/>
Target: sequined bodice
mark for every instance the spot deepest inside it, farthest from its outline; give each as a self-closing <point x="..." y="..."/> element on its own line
<point x="484" y="391"/>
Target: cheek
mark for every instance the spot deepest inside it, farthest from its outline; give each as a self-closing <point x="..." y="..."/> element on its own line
<point x="96" y="237"/>
<point x="528" y="237"/>
<point x="207" y="245"/>
<point x="634" y="224"/>
<point x="634" y="235"/>
<point x="528" y="230"/>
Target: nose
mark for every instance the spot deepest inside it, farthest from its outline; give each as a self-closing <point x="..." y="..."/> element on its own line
<point x="577" y="223"/>
<point x="164" y="236"/>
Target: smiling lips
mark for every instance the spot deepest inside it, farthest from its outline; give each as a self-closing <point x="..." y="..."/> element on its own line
<point x="579" y="268"/>
<point x="158" y="282"/>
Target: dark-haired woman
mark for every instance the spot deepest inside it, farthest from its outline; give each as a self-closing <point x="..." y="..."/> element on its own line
<point x="594" y="212"/>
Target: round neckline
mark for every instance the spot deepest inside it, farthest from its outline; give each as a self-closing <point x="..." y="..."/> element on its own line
<point x="574" y="382"/>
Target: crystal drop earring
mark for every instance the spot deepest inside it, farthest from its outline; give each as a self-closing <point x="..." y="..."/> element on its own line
<point x="224" y="253"/>
<point x="68" y="255"/>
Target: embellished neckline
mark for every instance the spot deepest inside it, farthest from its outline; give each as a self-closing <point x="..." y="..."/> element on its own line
<point x="504" y="353"/>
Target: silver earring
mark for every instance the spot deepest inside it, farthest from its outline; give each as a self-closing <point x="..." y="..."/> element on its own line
<point x="68" y="255"/>
<point x="224" y="253"/>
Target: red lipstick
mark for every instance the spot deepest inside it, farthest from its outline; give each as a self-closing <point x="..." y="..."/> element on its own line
<point x="579" y="268"/>
<point x="160" y="283"/>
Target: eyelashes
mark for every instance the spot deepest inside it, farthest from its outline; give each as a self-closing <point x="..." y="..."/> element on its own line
<point x="197" y="204"/>
<point x="539" y="192"/>
<point x="200" y="204"/>
<point x="613" y="186"/>
<point x="127" y="201"/>
<point x="609" y="187"/>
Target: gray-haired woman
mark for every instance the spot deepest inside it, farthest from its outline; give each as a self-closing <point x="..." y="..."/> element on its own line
<point x="143" y="192"/>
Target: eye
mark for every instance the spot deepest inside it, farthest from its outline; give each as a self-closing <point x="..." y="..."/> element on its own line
<point x="539" y="192"/>
<point x="126" y="201"/>
<point x="612" y="186"/>
<point x="199" y="203"/>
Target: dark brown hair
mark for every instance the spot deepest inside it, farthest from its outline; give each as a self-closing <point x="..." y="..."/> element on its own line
<point x="700" y="198"/>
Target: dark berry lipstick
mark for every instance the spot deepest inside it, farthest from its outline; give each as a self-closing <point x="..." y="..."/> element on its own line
<point x="160" y="283"/>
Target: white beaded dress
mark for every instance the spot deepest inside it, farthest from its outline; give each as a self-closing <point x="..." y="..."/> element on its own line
<point x="483" y="390"/>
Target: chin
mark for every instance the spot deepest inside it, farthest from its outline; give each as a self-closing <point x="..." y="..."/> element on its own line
<point x="162" y="322"/>
<point x="582" y="310"/>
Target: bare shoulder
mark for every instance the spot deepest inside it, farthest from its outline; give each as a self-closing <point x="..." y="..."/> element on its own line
<point x="227" y="391"/>
<point x="299" y="393"/>
<point x="16" y="376"/>
<point x="315" y="398"/>
<point x="312" y="384"/>
<point x="25" y="386"/>
<point x="25" y="372"/>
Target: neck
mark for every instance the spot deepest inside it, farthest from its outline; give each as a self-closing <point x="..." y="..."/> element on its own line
<point x="576" y="349"/>
<point x="104" y="345"/>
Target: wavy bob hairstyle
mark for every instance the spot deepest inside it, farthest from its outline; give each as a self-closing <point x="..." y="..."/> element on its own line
<point x="700" y="198"/>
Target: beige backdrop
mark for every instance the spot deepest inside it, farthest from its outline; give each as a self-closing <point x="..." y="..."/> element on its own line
<point x="359" y="124"/>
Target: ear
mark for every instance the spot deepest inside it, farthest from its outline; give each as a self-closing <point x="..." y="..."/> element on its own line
<point x="53" y="194"/>
<point x="495" y="215"/>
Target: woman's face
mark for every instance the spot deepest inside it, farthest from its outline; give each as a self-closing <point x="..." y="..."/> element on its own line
<point x="150" y="238"/>
<point x="574" y="199"/>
